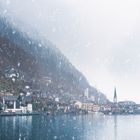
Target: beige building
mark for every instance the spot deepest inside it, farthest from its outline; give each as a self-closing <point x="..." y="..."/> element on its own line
<point x="87" y="106"/>
<point x="78" y="104"/>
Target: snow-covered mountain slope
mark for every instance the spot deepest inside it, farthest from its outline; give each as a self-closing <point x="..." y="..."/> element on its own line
<point x="25" y="59"/>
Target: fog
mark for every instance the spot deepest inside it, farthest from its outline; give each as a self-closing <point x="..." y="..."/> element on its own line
<point x="101" y="38"/>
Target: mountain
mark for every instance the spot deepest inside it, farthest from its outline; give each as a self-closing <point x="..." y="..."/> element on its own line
<point x="37" y="63"/>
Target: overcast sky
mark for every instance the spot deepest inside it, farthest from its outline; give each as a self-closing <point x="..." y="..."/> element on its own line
<point x="100" y="37"/>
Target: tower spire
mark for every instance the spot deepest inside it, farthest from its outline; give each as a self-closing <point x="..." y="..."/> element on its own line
<point x="115" y="96"/>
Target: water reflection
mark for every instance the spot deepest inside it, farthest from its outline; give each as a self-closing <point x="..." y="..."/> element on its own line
<point x="70" y="127"/>
<point x="16" y="128"/>
<point x="115" y="127"/>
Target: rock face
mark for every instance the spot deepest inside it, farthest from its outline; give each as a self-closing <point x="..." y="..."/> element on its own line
<point x="40" y="65"/>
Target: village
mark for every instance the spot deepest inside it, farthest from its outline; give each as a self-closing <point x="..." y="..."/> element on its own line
<point x="29" y="104"/>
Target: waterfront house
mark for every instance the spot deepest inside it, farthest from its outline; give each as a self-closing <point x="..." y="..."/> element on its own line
<point x="87" y="106"/>
<point x="127" y="106"/>
<point x="95" y="108"/>
<point x="78" y="104"/>
<point x="90" y="106"/>
<point x="13" y="104"/>
<point x="107" y="108"/>
<point x="10" y="103"/>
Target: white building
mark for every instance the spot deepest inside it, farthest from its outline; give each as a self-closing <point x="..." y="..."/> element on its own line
<point x="86" y="94"/>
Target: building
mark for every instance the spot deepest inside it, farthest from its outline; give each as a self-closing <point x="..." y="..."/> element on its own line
<point x="14" y="104"/>
<point x="88" y="106"/>
<point x="106" y="108"/>
<point x="78" y="105"/>
<point x="95" y="108"/>
<point x="29" y="108"/>
<point x="127" y="106"/>
<point x="86" y="93"/>
<point x="10" y="104"/>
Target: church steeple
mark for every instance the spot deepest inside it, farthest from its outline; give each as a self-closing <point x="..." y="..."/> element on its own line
<point x="115" y="96"/>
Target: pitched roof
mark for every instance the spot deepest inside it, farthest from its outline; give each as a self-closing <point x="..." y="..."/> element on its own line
<point x="10" y="98"/>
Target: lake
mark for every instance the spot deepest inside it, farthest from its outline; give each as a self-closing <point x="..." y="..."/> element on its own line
<point x="70" y="127"/>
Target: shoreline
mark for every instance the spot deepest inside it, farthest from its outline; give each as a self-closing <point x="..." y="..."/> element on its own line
<point x="4" y="114"/>
<point x="18" y="114"/>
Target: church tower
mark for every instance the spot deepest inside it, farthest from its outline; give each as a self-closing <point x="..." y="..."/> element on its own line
<point x="115" y="96"/>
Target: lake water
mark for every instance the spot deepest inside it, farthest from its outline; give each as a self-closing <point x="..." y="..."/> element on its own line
<point x="70" y="127"/>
